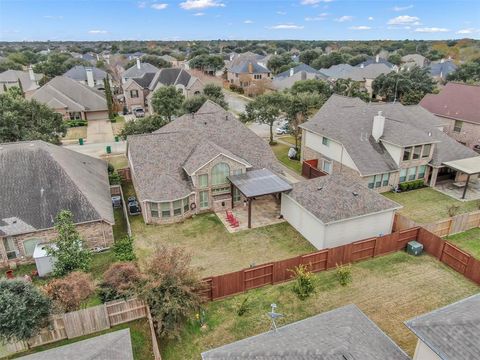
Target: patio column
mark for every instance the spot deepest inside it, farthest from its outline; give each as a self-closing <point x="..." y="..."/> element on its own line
<point x="433" y="177"/>
<point x="249" y="213"/>
<point x="231" y="192"/>
<point x="466" y="186"/>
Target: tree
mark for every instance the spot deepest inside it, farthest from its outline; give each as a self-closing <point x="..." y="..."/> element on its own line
<point x="265" y="109"/>
<point x="468" y="72"/>
<point x="109" y="97"/>
<point x="192" y="104"/>
<point x="69" y="292"/>
<point x="123" y="249"/>
<point x="57" y="64"/>
<point x="395" y="59"/>
<point x="311" y="86"/>
<point x="351" y="88"/>
<point x="70" y="252"/>
<point x="207" y="62"/>
<point x="9" y="65"/>
<point x="276" y="62"/>
<point x="24" y="309"/>
<point x="171" y="290"/>
<point x="167" y="102"/>
<point x="22" y="119"/>
<point x="144" y="125"/>
<point x="214" y="92"/>
<point x="121" y="280"/>
<point x="308" y="56"/>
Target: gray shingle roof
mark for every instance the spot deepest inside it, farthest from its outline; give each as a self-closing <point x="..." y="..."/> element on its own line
<point x="373" y="60"/>
<point x="134" y="72"/>
<point x="442" y="69"/>
<point x="158" y="158"/>
<point x="332" y="198"/>
<point x="170" y="76"/>
<point x="115" y="345"/>
<point x="240" y="62"/>
<point x="79" y="73"/>
<point x="44" y="179"/>
<point x="13" y="76"/>
<point x="346" y="71"/>
<point x="71" y="95"/>
<point x="343" y="333"/>
<point x="452" y="332"/>
<point x="296" y="69"/>
<point x="349" y="121"/>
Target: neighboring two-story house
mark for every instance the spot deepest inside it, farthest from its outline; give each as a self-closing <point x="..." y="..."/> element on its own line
<point x="287" y="79"/>
<point x="90" y="76"/>
<point x="382" y="144"/>
<point x="249" y="71"/>
<point x="457" y="105"/>
<point x="28" y="81"/>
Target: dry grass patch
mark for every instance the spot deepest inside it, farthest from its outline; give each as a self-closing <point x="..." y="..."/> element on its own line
<point x="75" y="133"/>
<point x="389" y="289"/>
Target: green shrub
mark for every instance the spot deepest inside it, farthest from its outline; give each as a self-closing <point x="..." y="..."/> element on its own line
<point x="344" y="274"/>
<point x="123" y="249"/>
<point x="76" y="123"/>
<point x="114" y="178"/>
<point x="304" y="285"/>
<point x="411" y="185"/>
<point x="110" y="168"/>
<point x="244" y="307"/>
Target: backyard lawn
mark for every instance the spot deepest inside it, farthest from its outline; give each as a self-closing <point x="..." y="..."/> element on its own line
<point x="139" y="333"/>
<point x="281" y="152"/>
<point x="428" y="205"/>
<point x="468" y="241"/>
<point x="388" y="289"/>
<point x="118" y="161"/>
<point x="214" y="250"/>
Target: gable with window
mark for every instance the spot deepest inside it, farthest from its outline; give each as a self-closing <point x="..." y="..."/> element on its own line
<point x="134" y="94"/>
<point x="220" y="173"/>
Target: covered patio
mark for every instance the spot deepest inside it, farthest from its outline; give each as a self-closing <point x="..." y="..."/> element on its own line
<point x="261" y="190"/>
<point x="465" y="185"/>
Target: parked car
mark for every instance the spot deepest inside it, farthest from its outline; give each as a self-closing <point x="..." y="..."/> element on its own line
<point x="133" y="206"/>
<point x="139" y="112"/>
<point x="283" y="129"/>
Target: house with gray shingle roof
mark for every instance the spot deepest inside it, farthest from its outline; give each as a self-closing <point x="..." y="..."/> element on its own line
<point x="287" y="79"/>
<point x="249" y="71"/>
<point x="439" y="70"/>
<point x="72" y="99"/>
<point x="182" y="168"/>
<point x="138" y="70"/>
<point x="345" y="333"/>
<point x="382" y="144"/>
<point x="90" y="76"/>
<point x="44" y="179"/>
<point x="27" y="80"/>
<point x="449" y="333"/>
<point x="411" y="60"/>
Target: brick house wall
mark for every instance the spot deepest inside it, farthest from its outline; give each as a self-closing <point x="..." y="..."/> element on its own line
<point x="469" y="134"/>
<point x="95" y="234"/>
<point x="133" y="102"/>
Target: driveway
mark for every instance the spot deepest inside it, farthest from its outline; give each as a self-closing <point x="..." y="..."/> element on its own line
<point x="263" y="130"/>
<point x="236" y="102"/>
<point x="99" y="131"/>
<point x="99" y="150"/>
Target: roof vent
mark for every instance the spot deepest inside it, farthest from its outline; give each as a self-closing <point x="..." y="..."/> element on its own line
<point x="429" y="133"/>
<point x="205" y="122"/>
<point x="320" y="188"/>
<point x="226" y="117"/>
<point x="354" y="193"/>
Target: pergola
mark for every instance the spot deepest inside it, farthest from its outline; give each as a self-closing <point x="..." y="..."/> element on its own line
<point x="257" y="183"/>
<point x="469" y="166"/>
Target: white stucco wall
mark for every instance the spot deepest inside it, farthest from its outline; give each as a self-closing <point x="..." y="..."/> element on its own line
<point x="423" y="352"/>
<point x="394" y="151"/>
<point x="332" y="151"/>
<point x="304" y="222"/>
<point x="360" y="228"/>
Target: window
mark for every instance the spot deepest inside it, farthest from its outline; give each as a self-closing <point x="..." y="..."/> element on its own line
<point x="327" y="166"/>
<point x="257" y="76"/>
<point x="426" y="150"/>
<point x="458" y="126"/>
<point x="417" y="150"/>
<point x="154" y="210"/>
<point x="203" y="180"/>
<point x="237" y="195"/>
<point x="177" y="207"/>
<point x="406" y="153"/>
<point x="165" y="207"/>
<point x="134" y="94"/>
<point x="186" y="204"/>
<point x="403" y="175"/>
<point x="237" y="172"/>
<point x="75" y="116"/>
<point x="421" y="172"/>
<point x="325" y="141"/>
<point x="203" y="199"/>
<point x="29" y="246"/>
<point x="222" y="190"/>
<point x="10" y="248"/>
<point x="385" y="179"/>
<point x="411" y="173"/>
<point x="371" y="182"/>
<point x="220" y="173"/>
<point x="378" y="181"/>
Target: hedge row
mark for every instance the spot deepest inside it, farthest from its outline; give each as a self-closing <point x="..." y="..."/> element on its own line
<point x="412" y="185"/>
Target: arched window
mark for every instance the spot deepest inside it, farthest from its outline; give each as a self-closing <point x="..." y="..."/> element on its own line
<point x="220" y="173"/>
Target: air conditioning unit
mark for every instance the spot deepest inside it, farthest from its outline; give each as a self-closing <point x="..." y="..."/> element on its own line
<point x="414" y="248"/>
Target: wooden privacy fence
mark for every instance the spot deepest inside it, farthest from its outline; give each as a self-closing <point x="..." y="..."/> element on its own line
<point x="310" y="170"/>
<point x="445" y="227"/>
<point x="221" y="286"/>
<point x="125" y="174"/>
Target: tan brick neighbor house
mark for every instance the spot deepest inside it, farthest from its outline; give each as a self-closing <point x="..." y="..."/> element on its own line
<point x="457" y="106"/>
<point x="249" y="71"/>
<point x="38" y="181"/>
<point x="382" y="144"/>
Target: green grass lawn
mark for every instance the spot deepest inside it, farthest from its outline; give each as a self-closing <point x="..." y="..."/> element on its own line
<point x="118" y="161"/>
<point x="75" y="133"/>
<point x="281" y="152"/>
<point x="428" y="205"/>
<point x="288" y="138"/>
<point x="139" y="333"/>
<point x="468" y="241"/>
<point x="120" y="227"/>
<point x="388" y="289"/>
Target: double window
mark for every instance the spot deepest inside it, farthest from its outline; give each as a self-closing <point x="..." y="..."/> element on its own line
<point x="379" y="180"/>
<point x="416" y="152"/>
<point x="257" y="76"/>
<point x="134" y="94"/>
<point x="327" y="166"/>
<point x="203" y="180"/>
<point x="203" y="199"/>
<point x="413" y="173"/>
<point x="154" y="210"/>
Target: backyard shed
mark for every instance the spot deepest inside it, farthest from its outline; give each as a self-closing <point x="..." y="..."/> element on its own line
<point x="336" y="210"/>
<point x="43" y="261"/>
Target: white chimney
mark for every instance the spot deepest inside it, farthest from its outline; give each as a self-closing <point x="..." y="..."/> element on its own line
<point x="138" y="63"/>
<point x="31" y="74"/>
<point x="291" y="71"/>
<point x="362" y="65"/>
<point x="442" y="61"/>
<point x="377" y="58"/>
<point x="378" y="126"/>
<point x="90" y="80"/>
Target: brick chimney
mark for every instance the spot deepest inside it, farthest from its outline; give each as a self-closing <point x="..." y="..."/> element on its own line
<point x="378" y="126"/>
<point x="138" y="63"/>
<point x="90" y="80"/>
<point x="250" y="68"/>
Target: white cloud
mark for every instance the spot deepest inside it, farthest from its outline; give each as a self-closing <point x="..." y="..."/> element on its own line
<point x="314" y="2"/>
<point x="286" y="27"/>
<point x="161" y="6"/>
<point x="402" y="8"/>
<point x="344" y="18"/>
<point x="404" y="20"/>
<point x="142" y="4"/>
<point x="200" y="4"/>
<point x="431" y="30"/>
<point x="199" y="14"/>
<point x="281" y="12"/>
<point x="361" y="27"/>
<point x="370" y="18"/>
<point x="320" y="17"/>
<point x="248" y="22"/>
<point x="467" y="31"/>
<point x="96" y="32"/>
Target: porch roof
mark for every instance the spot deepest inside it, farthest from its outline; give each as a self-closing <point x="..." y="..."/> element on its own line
<point x="259" y="182"/>
<point x="469" y="166"/>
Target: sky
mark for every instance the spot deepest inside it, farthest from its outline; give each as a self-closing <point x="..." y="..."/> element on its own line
<point x="33" y="20"/>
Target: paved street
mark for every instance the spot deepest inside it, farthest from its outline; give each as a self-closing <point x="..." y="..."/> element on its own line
<point x="263" y="130"/>
<point x="236" y="102"/>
